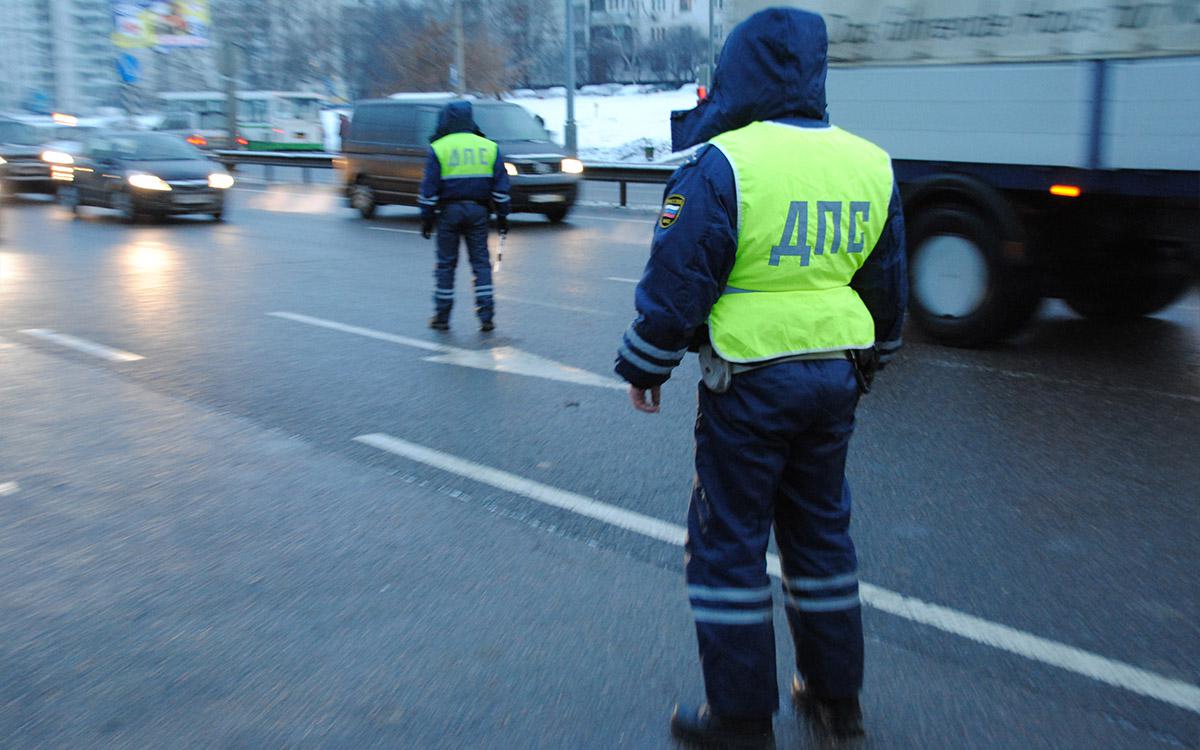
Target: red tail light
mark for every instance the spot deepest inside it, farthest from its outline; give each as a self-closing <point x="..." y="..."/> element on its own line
<point x="701" y="93"/>
<point x="242" y="141"/>
<point x="197" y="140"/>
<point x="277" y="130"/>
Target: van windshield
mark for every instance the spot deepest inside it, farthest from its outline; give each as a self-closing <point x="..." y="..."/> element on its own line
<point x="509" y="122"/>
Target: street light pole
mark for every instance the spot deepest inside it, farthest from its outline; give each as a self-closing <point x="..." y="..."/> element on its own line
<point x="569" y="128"/>
<point x="460" y="74"/>
<point x="712" y="44"/>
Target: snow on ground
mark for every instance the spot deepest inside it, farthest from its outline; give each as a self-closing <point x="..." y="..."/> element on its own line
<point x="614" y="122"/>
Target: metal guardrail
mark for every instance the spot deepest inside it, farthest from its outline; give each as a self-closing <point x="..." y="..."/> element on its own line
<point x="623" y="174"/>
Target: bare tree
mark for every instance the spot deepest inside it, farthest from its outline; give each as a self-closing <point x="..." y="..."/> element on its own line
<point x="686" y="49"/>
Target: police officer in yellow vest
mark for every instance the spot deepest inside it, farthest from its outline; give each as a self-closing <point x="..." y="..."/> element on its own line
<point x="464" y="178"/>
<point x="779" y="255"/>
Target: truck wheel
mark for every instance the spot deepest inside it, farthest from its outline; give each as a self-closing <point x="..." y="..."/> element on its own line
<point x="362" y="197"/>
<point x="963" y="292"/>
<point x="556" y="214"/>
<point x="1120" y="298"/>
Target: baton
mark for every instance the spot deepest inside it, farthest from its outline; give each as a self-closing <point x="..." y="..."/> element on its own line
<point x="500" y="253"/>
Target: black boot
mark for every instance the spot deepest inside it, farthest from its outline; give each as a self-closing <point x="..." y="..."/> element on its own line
<point x="837" y="718"/>
<point x="439" y="324"/>
<point x="487" y="326"/>
<point x="701" y="728"/>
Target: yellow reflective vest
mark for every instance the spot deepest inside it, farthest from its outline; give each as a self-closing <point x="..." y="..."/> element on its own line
<point x="812" y="203"/>
<point x="465" y="155"/>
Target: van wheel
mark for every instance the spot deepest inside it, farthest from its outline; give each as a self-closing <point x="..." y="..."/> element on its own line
<point x="68" y="198"/>
<point x="125" y="208"/>
<point x="362" y="197"/>
<point x="963" y="292"/>
<point x="557" y="214"/>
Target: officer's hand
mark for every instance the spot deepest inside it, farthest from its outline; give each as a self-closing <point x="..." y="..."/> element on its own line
<point x="640" y="401"/>
<point x="502" y="224"/>
<point x="426" y="229"/>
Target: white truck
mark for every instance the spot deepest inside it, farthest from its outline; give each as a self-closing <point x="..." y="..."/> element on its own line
<point x="1044" y="148"/>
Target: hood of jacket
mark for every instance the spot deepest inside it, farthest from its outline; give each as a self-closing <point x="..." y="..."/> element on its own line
<point x="772" y="66"/>
<point x="455" y="117"/>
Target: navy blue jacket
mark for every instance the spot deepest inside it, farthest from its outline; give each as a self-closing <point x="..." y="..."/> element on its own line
<point x="772" y="68"/>
<point x="457" y="117"/>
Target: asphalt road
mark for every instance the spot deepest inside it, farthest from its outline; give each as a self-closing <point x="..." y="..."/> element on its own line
<point x="195" y="550"/>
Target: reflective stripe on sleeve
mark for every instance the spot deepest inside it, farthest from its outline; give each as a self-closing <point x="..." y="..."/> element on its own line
<point x="645" y="347"/>
<point x="643" y="364"/>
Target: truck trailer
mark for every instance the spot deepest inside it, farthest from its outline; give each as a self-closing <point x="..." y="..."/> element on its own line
<point x="1043" y="149"/>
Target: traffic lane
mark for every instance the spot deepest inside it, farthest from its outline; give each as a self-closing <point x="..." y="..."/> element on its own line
<point x="490" y="431"/>
<point x="259" y="561"/>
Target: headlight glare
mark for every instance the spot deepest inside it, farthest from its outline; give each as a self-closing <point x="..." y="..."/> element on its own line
<point x="572" y="166"/>
<point x="144" y="181"/>
<point x="57" y="157"/>
<point x="220" y="180"/>
<point x="510" y="168"/>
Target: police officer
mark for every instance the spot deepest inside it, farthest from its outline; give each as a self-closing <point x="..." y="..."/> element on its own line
<point x="779" y="254"/>
<point x="464" y="177"/>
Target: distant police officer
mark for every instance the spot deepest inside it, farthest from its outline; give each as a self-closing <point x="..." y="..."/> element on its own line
<point x="779" y="254"/>
<point x="464" y="177"/>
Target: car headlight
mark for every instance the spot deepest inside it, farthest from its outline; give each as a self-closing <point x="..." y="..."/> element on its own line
<point x="2" y="161"/>
<point x="572" y="166"/>
<point x="510" y="168"/>
<point x="144" y="181"/>
<point x="220" y="180"/>
<point x="57" y="157"/>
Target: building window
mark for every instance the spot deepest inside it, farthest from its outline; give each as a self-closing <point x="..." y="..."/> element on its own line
<point x="685" y="6"/>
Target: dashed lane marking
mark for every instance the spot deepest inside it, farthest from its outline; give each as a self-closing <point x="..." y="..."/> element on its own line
<point x="504" y="359"/>
<point x="394" y="229"/>
<point x="622" y="279"/>
<point x="82" y="345"/>
<point x="1002" y="637"/>
<point x="9" y="488"/>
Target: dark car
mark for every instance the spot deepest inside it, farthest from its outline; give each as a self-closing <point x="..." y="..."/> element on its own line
<point x="146" y="174"/>
<point x="21" y="149"/>
<point x="384" y="155"/>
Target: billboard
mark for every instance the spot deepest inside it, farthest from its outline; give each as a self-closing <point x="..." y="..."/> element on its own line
<point x="161" y="24"/>
<point x="958" y="31"/>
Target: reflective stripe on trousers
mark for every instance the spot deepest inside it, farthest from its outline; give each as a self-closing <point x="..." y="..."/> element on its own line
<point x="470" y="222"/>
<point x="771" y="452"/>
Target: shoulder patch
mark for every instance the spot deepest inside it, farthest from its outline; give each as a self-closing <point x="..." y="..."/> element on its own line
<point x="672" y="207"/>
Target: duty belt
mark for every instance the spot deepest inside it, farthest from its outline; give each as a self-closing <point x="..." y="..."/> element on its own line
<point x="718" y="373"/>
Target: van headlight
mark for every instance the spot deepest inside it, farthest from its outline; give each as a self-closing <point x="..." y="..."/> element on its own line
<point x="572" y="166"/>
<point x="220" y="180"/>
<point x="510" y="168"/>
<point x="143" y="181"/>
<point x="51" y="156"/>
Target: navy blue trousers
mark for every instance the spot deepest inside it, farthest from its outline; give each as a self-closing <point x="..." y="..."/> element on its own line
<point x="458" y="221"/>
<point x="771" y="451"/>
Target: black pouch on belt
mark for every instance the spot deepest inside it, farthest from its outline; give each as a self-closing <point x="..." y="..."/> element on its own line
<point x="866" y="364"/>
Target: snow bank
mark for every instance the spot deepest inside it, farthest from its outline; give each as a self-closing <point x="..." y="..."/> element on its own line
<point x="614" y="122"/>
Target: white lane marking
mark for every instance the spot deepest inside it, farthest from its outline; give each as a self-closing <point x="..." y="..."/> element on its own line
<point x="622" y="279"/>
<point x="392" y="229"/>
<point x="1102" y="669"/>
<point x="500" y="359"/>
<point x="357" y="331"/>
<point x="82" y="345"/>
<point x="9" y="488"/>
<point x="543" y="493"/>
<point x="1026" y="375"/>
<point x="516" y="362"/>
<point x="556" y="306"/>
